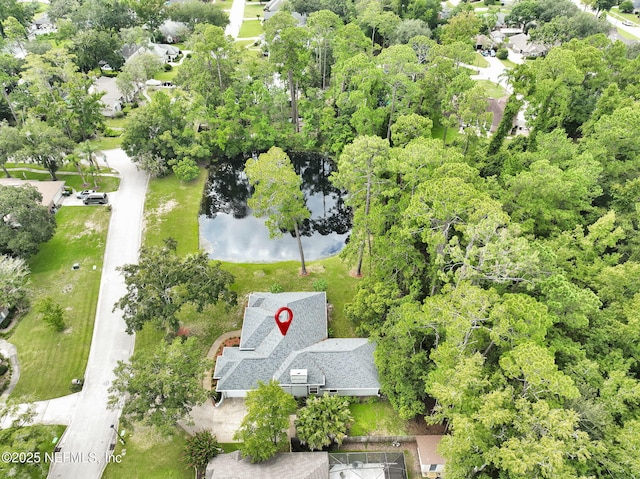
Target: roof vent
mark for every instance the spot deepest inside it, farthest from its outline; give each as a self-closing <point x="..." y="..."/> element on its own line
<point x="298" y="376"/>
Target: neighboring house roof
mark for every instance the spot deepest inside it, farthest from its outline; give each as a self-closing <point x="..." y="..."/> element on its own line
<point x="428" y="450"/>
<point x="497" y="106"/>
<point x="108" y="86"/>
<point x="164" y="51"/>
<point x="130" y="50"/>
<point x="265" y="354"/>
<point x="301" y="19"/>
<point x="48" y="189"/>
<point x="521" y="44"/>
<point x="286" y="465"/>
<point x="273" y="5"/>
<point x="484" y="41"/>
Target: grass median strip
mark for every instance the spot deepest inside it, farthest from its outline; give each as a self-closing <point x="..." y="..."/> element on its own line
<point x="50" y="360"/>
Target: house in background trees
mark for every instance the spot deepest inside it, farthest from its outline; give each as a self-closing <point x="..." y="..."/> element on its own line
<point x="112" y="99"/>
<point x="303" y="361"/>
<point x="51" y="191"/>
<point x="521" y="43"/>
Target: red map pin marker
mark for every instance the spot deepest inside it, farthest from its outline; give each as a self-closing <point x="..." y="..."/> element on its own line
<point x="284" y="323"/>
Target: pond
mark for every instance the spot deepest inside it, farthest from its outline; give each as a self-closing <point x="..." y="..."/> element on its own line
<point x="229" y="232"/>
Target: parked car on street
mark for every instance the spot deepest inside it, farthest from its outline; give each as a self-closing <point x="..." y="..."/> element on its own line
<point x="84" y="193"/>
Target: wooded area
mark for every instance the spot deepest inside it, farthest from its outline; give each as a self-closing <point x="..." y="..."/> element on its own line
<point x="500" y="272"/>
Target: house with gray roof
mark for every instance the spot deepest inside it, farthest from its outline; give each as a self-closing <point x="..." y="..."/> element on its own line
<point x="521" y="43"/>
<point x="304" y="360"/>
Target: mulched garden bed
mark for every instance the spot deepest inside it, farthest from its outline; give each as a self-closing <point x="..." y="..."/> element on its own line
<point x="229" y="343"/>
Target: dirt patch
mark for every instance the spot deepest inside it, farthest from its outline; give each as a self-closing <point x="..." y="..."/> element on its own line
<point x="229" y="343"/>
<point x="418" y="427"/>
<point x="93" y="226"/>
<point x="67" y="288"/>
<point x="164" y="208"/>
<point x="88" y="228"/>
<point x="316" y="268"/>
<point x="259" y="274"/>
<point x="145" y="437"/>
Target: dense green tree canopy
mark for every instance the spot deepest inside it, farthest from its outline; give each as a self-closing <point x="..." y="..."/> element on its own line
<point x="24" y="222"/>
<point x="264" y="427"/>
<point x="162" y="282"/>
<point x="323" y="421"/>
<point x="152" y="391"/>
<point x="14" y="282"/>
<point x="500" y="280"/>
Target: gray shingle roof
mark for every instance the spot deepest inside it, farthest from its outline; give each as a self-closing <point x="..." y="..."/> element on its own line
<point x="264" y="353"/>
<point x="335" y="364"/>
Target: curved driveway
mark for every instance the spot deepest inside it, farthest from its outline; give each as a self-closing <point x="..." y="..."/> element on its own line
<point x="85" y="443"/>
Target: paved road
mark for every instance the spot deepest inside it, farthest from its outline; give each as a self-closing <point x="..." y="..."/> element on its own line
<point x="236" y="15"/>
<point x="86" y="441"/>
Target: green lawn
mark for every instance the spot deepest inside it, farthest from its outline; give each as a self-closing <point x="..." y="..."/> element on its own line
<point x="244" y="43"/>
<point x="508" y="63"/>
<point x="480" y="61"/>
<point x="491" y="89"/>
<point x="253" y="9"/>
<point x="250" y="28"/>
<point x="172" y="209"/>
<point x="50" y="360"/>
<point x="116" y="122"/>
<point x="104" y="183"/>
<point x="106" y="143"/>
<point x="626" y="35"/>
<point x="167" y="76"/>
<point x="616" y="13"/>
<point x="376" y="419"/>
<point x="164" y="218"/>
<point x="149" y="455"/>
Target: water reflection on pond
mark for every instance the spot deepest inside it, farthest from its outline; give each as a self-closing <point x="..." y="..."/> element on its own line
<point x="229" y="232"/>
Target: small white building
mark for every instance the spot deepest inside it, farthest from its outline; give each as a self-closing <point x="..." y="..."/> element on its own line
<point x="431" y="462"/>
